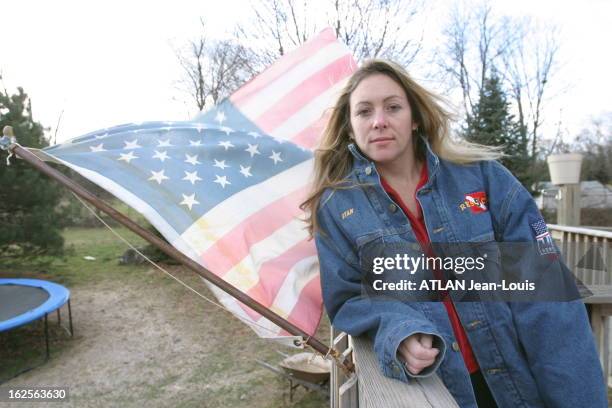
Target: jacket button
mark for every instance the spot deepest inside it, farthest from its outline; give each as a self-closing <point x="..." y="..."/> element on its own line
<point x="392" y="207"/>
<point x="473" y="324"/>
<point x="455" y="346"/>
<point x="368" y="170"/>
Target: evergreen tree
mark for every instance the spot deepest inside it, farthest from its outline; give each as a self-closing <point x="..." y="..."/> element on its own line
<point x="492" y="124"/>
<point x="28" y="199"/>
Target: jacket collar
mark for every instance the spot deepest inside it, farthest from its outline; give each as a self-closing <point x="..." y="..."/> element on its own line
<point x="360" y="161"/>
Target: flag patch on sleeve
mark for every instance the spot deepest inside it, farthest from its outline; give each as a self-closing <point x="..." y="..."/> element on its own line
<point x="546" y="245"/>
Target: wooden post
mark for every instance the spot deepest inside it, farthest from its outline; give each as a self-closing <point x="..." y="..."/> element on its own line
<point x="568" y="211"/>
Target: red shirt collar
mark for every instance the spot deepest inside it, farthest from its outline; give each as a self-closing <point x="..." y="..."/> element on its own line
<point x="396" y="197"/>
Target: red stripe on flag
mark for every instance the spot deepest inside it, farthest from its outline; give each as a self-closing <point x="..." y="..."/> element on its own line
<point x="308" y="310"/>
<point x="279" y="68"/>
<point x="308" y="90"/>
<point x="235" y="245"/>
<point x="309" y="137"/>
<point x="273" y="273"/>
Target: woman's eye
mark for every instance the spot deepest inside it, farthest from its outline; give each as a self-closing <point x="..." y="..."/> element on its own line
<point x="362" y="112"/>
<point x="394" y="108"/>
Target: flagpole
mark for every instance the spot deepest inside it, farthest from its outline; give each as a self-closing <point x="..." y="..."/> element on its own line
<point x="8" y="143"/>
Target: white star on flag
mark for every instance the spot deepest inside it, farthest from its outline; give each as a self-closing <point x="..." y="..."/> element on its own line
<point x="226" y="129"/>
<point x="192" y="159"/>
<point x="127" y="157"/>
<point x="192" y="177"/>
<point x="252" y="149"/>
<point x="246" y="171"/>
<point x="276" y="157"/>
<point x="132" y="145"/>
<point x="220" y="164"/>
<point x="254" y="134"/>
<point x="189" y="200"/>
<point x="158" y="176"/>
<point x="220" y="117"/>
<point x="161" y="155"/>
<point x="98" y="148"/>
<point x="226" y="144"/>
<point x="164" y="143"/>
<point x="221" y="180"/>
<point x="195" y="143"/>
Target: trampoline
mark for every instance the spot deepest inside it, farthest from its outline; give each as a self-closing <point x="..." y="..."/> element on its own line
<point x="23" y="301"/>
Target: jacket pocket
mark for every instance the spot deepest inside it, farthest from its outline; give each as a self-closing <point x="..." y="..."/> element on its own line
<point x="386" y="258"/>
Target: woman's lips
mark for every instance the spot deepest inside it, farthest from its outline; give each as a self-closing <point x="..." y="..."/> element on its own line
<point x="381" y="140"/>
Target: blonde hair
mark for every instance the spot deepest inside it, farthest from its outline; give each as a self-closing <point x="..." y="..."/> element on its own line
<point x="333" y="161"/>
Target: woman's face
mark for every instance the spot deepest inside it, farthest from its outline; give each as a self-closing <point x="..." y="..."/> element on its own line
<point x="381" y="120"/>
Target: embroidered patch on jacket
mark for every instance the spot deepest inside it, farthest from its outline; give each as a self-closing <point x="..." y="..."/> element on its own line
<point x="346" y="213"/>
<point x="476" y="202"/>
<point x="546" y="245"/>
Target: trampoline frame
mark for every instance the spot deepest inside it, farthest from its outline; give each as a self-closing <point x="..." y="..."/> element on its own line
<point x="58" y="297"/>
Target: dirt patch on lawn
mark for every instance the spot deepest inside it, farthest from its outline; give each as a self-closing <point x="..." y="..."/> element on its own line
<point x="147" y="340"/>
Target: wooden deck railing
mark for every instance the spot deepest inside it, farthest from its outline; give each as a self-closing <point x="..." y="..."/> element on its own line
<point x="588" y="254"/>
<point x="368" y="388"/>
<point x="586" y="251"/>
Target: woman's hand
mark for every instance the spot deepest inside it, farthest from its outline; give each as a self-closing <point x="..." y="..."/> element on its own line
<point x="417" y="351"/>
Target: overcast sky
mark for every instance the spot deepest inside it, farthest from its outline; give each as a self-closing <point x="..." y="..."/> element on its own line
<point x="112" y="62"/>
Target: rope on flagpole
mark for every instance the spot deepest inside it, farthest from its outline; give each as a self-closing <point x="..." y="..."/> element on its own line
<point x="129" y="244"/>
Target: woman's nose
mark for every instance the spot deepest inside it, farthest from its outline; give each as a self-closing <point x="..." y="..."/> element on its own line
<point x="380" y="121"/>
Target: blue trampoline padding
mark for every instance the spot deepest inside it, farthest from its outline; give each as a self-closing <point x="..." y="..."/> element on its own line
<point x="58" y="296"/>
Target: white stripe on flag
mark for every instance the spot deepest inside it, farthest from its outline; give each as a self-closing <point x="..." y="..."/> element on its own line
<point x="245" y="274"/>
<point x="264" y="328"/>
<point x="309" y="114"/>
<point x="298" y="277"/>
<point x="221" y="219"/>
<point x="269" y="96"/>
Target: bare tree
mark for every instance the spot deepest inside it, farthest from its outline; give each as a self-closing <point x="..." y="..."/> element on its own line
<point x="479" y="44"/>
<point x="529" y="67"/>
<point x="370" y="28"/>
<point x="475" y="45"/>
<point x="214" y="68"/>
<point x="595" y="143"/>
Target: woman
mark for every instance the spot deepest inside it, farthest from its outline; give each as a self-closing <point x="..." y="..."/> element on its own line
<point x="388" y="182"/>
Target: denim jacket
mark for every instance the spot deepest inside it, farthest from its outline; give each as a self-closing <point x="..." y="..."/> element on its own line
<point x="532" y="354"/>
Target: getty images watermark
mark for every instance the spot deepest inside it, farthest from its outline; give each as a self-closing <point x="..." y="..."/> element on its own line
<point x="481" y="271"/>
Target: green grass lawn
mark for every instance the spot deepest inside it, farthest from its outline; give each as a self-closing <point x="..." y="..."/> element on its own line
<point x="72" y="268"/>
<point x="227" y="377"/>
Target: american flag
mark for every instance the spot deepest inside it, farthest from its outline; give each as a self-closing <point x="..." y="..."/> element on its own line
<point x="546" y="245"/>
<point x="225" y="188"/>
